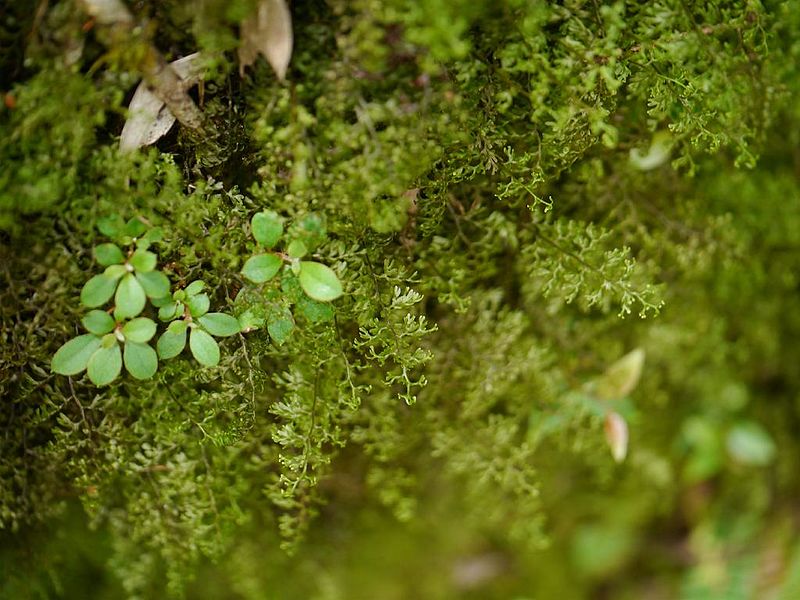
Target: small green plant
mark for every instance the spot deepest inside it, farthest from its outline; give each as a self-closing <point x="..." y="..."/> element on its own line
<point x="118" y="335"/>
<point x="187" y="311"/>
<point x="306" y="284"/>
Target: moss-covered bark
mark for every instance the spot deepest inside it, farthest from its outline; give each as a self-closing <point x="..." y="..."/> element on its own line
<point x="514" y="195"/>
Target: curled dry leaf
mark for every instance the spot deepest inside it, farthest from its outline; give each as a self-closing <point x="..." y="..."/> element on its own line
<point x="268" y="32"/>
<point x="149" y="118"/>
<point x="621" y="378"/>
<point x="617" y="435"/>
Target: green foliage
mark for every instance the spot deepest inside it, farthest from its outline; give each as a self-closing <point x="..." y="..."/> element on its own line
<point x="403" y="300"/>
<point x="131" y="279"/>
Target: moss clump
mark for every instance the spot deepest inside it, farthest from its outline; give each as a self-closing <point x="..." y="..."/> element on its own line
<point x="514" y="195"/>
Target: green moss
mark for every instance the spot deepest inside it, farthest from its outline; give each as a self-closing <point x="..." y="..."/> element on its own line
<point x="515" y="195"/>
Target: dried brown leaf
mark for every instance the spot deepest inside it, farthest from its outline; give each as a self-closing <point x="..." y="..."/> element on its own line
<point x="268" y="32"/>
<point x="148" y="117"/>
<point x="616" y="429"/>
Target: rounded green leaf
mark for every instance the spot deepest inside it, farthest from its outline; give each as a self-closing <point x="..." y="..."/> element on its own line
<point x="262" y="267"/>
<point x="219" y="324"/>
<point x="97" y="291"/>
<point x="195" y="287"/>
<point x="297" y="249"/>
<point x="203" y="347"/>
<point x="130" y="298"/>
<point x="319" y="282"/>
<point x="73" y="356"/>
<point x="139" y="330"/>
<point x="198" y="305"/>
<point x="109" y="254"/>
<point x="105" y="365"/>
<point x="98" y="322"/>
<point x="171" y="343"/>
<point x="140" y="360"/>
<point x="143" y="261"/>
<point x="267" y="228"/>
<point x="169" y="311"/>
<point x="111" y="225"/>
<point x="280" y="325"/>
<point x="135" y="227"/>
<point x="177" y="326"/>
<point x="155" y="283"/>
<point x="115" y="271"/>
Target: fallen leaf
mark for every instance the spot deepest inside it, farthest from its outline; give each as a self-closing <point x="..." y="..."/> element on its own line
<point x="617" y="435"/>
<point x="148" y="117"/>
<point x="268" y="32"/>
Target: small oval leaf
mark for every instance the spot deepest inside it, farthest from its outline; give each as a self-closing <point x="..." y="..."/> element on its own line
<point x="73" y="356"/>
<point x="219" y="324"/>
<point x="104" y="365"/>
<point x="280" y="325"/>
<point x="297" y="249"/>
<point x="115" y="272"/>
<point x="198" y="305"/>
<point x="203" y="347"/>
<point x="143" y="261"/>
<point x="109" y="254"/>
<point x="267" y="227"/>
<point x="169" y="311"/>
<point x="171" y="343"/>
<point x="130" y="298"/>
<point x="262" y="267"/>
<point x="139" y="330"/>
<point x="98" y="290"/>
<point x="154" y="283"/>
<point x="98" y="322"/>
<point x="140" y="360"/>
<point x="319" y="281"/>
<point x="195" y="287"/>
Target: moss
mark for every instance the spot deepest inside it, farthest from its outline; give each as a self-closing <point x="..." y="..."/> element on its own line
<point x="515" y="196"/>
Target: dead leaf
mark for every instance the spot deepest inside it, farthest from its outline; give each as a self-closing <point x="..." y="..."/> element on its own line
<point x="617" y="435"/>
<point x="267" y="32"/>
<point x="148" y="117"/>
<point x="620" y="379"/>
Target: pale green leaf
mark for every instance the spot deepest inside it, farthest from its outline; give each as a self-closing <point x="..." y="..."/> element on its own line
<point x="171" y="343"/>
<point x="198" y="305"/>
<point x="319" y="281"/>
<point x="130" y="298"/>
<point x="267" y="227"/>
<point x="139" y="330"/>
<point x="154" y="283"/>
<point x="105" y="365"/>
<point x="219" y="324"/>
<point x="143" y="261"/>
<point x="140" y="360"/>
<point x="73" y="356"/>
<point x="109" y="254"/>
<point x="98" y="322"/>
<point x="262" y="267"/>
<point x="203" y="347"/>
<point x="98" y="290"/>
